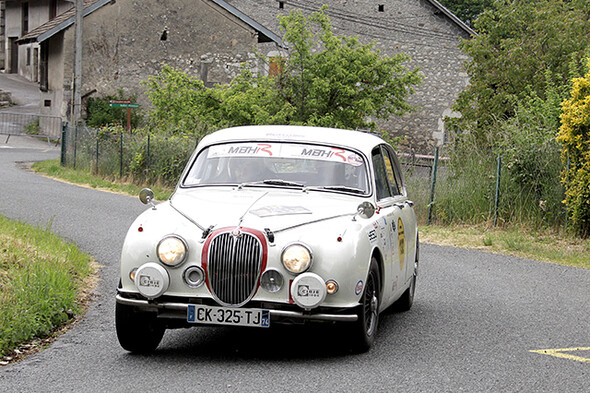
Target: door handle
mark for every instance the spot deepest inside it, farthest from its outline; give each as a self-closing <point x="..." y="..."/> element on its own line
<point x="409" y="203"/>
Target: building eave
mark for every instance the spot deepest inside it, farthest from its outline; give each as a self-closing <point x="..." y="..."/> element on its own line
<point x="59" y="23"/>
<point x="453" y="17"/>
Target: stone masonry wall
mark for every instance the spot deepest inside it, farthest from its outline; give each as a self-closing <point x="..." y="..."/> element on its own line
<point x="126" y="42"/>
<point x="413" y="27"/>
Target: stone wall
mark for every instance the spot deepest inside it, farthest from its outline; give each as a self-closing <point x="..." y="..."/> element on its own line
<point x="413" y="27"/>
<point x="127" y="41"/>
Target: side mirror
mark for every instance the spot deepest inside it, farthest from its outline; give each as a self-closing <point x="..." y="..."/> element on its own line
<point x="146" y="196"/>
<point x="365" y="210"/>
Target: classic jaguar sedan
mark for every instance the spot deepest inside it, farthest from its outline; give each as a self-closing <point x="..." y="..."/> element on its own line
<point x="272" y="225"/>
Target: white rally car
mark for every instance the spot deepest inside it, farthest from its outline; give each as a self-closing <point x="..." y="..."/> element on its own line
<point x="272" y="224"/>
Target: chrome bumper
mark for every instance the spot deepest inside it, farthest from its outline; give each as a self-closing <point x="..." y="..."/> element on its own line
<point x="183" y="307"/>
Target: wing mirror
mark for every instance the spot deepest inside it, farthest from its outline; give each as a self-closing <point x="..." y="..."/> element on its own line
<point x="365" y="210"/>
<point x="146" y="196"/>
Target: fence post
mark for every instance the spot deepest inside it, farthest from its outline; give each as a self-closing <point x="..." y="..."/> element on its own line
<point x="97" y="136"/>
<point x="496" y="203"/>
<point x="432" y="185"/>
<point x="567" y="178"/>
<point x="75" y="143"/>
<point x="121" y="156"/>
<point x="147" y="159"/>
<point x="64" y="126"/>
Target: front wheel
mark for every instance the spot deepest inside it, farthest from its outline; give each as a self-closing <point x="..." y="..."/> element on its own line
<point x="137" y="331"/>
<point x="365" y="327"/>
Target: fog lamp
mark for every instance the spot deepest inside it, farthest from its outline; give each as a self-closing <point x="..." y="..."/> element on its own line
<point x="272" y="281"/>
<point x="194" y="276"/>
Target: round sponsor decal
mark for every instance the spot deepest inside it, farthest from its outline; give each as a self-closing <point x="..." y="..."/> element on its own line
<point x="401" y="242"/>
<point x="359" y="287"/>
<point x="355" y="160"/>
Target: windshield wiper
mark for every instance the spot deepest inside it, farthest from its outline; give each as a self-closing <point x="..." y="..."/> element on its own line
<point x="279" y="182"/>
<point x="272" y="182"/>
<point x="343" y="188"/>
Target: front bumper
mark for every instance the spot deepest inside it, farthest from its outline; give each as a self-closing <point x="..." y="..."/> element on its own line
<point x="178" y="309"/>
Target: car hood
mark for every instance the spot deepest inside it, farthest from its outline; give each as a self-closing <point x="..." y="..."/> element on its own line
<point x="260" y="208"/>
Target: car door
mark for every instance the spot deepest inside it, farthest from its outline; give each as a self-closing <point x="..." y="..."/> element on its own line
<point x="390" y="208"/>
<point x="406" y="220"/>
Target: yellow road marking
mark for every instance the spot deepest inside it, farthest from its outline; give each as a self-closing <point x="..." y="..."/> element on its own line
<point x="559" y="353"/>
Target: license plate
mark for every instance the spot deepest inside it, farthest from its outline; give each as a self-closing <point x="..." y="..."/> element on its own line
<point x="199" y="313"/>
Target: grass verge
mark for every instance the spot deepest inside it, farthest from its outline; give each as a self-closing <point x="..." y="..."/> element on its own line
<point x="45" y="283"/>
<point x="53" y="169"/>
<point x="539" y="244"/>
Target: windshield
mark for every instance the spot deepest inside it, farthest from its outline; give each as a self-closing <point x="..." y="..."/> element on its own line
<point x="280" y="164"/>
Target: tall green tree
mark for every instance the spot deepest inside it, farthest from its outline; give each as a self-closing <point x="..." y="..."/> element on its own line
<point x="324" y="80"/>
<point x="520" y="41"/>
<point x="467" y="10"/>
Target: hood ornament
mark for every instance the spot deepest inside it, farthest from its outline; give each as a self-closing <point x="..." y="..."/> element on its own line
<point x="237" y="232"/>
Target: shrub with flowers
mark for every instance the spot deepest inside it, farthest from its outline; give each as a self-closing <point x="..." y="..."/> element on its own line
<point x="574" y="136"/>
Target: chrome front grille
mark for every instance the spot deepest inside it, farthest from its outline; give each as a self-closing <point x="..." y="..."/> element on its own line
<point x="233" y="267"/>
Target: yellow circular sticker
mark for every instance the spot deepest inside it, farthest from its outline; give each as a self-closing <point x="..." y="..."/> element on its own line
<point x="401" y="243"/>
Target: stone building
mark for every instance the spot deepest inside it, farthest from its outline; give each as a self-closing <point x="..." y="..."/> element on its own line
<point x="423" y="29"/>
<point x="125" y="41"/>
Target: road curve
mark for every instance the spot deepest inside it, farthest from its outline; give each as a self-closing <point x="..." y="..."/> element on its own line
<point x="474" y="323"/>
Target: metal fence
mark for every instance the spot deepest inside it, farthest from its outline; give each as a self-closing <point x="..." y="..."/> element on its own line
<point x="113" y="152"/>
<point x="49" y="127"/>
<point x="482" y="190"/>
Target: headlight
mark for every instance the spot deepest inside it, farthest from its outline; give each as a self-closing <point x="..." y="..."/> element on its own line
<point x="172" y="251"/>
<point x="296" y="258"/>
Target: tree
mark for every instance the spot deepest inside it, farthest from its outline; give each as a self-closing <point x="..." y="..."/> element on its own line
<point x="326" y="80"/>
<point x="467" y="10"/>
<point x="520" y="41"/>
<point x="574" y="136"/>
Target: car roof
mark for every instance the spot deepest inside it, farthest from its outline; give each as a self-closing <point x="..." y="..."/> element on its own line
<point x="282" y="133"/>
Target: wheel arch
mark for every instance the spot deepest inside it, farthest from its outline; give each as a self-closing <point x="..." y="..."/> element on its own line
<point x="378" y="255"/>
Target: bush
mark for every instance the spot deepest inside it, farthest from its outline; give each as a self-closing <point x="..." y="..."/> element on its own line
<point x="574" y="137"/>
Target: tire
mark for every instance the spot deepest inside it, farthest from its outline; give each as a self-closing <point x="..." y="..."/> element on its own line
<point x="138" y="332"/>
<point x="405" y="302"/>
<point x="365" y="328"/>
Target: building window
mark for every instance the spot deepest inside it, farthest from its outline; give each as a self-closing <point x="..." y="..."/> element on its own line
<point x="28" y="59"/>
<point x="275" y="65"/>
<point x="25" y="18"/>
<point x="381" y="8"/>
<point x="281" y="5"/>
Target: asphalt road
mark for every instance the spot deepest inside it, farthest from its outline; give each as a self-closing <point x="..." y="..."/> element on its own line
<point x="476" y="318"/>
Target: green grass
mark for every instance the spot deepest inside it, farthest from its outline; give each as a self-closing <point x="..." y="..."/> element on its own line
<point x="42" y="280"/>
<point x="52" y="168"/>
<point x="539" y="244"/>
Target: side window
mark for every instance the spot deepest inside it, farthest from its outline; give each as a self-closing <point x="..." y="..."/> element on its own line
<point x="392" y="174"/>
<point x="381" y="185"/>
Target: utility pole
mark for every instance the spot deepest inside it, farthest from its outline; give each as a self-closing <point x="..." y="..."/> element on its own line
<point x="78" y="63"/>
<point x="76" y="118"/>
